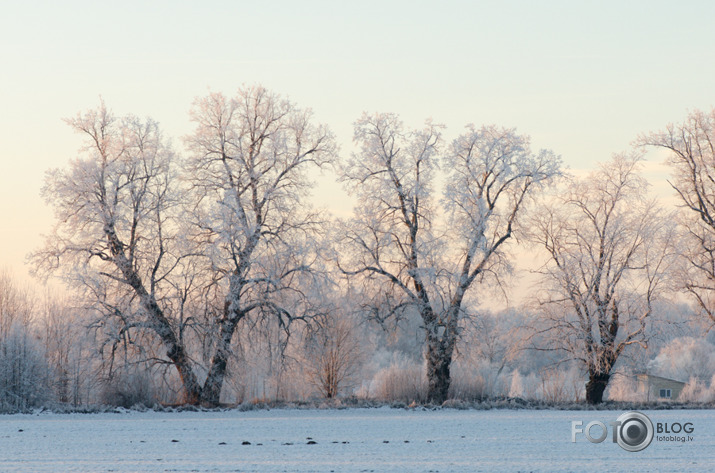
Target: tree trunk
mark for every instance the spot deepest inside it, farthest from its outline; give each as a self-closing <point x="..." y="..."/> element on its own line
<point x="439" y="359"/>
<point x="211" y="394"/>
<point x="596" y="385"/>
<point x="177" y="355"/>
<point x="175" y="349"/>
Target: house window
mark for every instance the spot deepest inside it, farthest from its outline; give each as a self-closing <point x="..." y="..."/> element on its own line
<point x="665" y="393"/>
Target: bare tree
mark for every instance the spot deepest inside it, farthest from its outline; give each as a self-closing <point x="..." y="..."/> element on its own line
<point x="68" y="348"/>
<point x="24" y="372"/>
<point x="333" y="354"/>
<point x="16" y="304"/>
<point x="116" y="235"/>
<point x="145" y="249"/>
<point x="691" y="147"/>
<point x="609" y="250"/>
<point x="250" y="156"/>
<point x="424" y="255"/>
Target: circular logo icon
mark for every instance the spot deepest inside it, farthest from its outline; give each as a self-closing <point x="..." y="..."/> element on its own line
<point x="635" y="431"/>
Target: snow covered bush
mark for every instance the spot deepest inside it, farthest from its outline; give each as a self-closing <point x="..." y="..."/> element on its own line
<point x="403" y="380"/>
<point x="561" y="385"/>
<point x="24" y="373"/>
<point x="697" y="390"/>
<point x="479" y="381"/>
<point x="130" y="388"/>
<point x="624" y="387"/>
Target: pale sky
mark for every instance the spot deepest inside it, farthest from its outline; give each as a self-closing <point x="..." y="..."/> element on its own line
<point x="582" y="78"/>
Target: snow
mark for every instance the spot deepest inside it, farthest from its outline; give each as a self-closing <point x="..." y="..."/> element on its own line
<point x="349" y="440"/>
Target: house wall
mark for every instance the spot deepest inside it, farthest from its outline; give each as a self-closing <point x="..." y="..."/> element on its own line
<point x="653" y="385"/>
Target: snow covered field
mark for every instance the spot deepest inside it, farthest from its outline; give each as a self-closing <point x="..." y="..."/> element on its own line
<point x="350" y="440"/>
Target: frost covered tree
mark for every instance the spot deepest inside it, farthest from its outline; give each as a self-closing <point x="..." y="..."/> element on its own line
<point x="24" y="373"/>
<point x="16" y="307"/>
<point x="333" y="354"/>
<point x="684" y="358"/>
<point x="248" y="168"/>
<point x="117" y="235"/>
<point x="610" y="251"/>
<point x="70" y="349"/>
<point x="691" y="155"/>
<point x="151" y="249"/>
<point x="417" y="252"/>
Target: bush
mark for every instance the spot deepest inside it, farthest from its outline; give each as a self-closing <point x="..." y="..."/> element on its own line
<point x="558" y="385"/>
<point x="476" y="382"/>
<point x="403" y="380"/>
<point x="129" y="389"/>
<point x="24" y="373"/>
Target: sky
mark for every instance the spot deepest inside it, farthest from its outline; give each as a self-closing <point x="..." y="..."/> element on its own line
<point x="582" y="78"/>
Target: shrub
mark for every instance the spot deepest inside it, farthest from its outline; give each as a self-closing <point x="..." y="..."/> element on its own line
<point x="24" y="373"/>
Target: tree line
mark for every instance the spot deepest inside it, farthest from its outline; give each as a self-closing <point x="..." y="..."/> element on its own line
<point x="183" y="263"/>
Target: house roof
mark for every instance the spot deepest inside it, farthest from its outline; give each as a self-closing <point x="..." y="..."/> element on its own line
<point x="660" y="378"/>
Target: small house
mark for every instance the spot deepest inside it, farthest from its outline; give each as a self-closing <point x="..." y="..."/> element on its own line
<point x="657" y="387"/>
